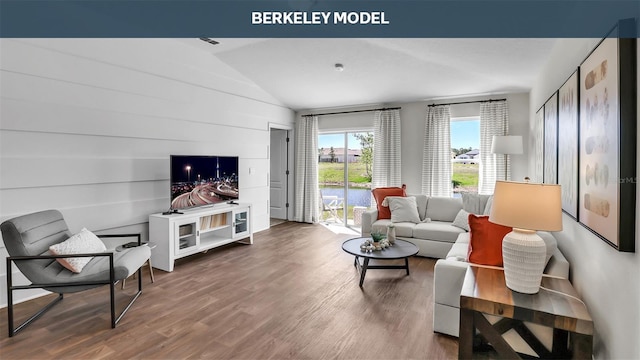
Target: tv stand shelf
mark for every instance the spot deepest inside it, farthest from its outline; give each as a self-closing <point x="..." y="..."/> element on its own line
<point x="197" y="230"/>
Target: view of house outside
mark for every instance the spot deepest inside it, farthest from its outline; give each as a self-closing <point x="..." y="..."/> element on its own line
<point x="334" y="160"/>
<point x="465" y="155"/>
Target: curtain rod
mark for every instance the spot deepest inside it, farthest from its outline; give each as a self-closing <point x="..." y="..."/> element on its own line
<point x="468" y="102"/>
<point x="354" y="111"/>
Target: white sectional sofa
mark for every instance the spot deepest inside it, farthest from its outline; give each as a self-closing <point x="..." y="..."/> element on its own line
<point x="439" y="238"/>
<point x="434" y="238"/>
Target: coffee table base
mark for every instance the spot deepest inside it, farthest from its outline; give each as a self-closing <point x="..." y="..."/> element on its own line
<point x="362" y="268"/>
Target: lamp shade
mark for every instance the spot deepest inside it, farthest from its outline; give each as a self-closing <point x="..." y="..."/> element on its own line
<point x="506" y="144"/>
<point x="527" y="206"/>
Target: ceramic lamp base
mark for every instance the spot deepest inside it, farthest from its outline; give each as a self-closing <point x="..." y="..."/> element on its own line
<point x="523" y="255"/>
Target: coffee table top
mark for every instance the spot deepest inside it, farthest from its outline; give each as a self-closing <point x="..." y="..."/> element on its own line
<point x="400" y="250"/>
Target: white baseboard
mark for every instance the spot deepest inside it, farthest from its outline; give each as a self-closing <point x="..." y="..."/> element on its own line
<point x="18" y="296"/>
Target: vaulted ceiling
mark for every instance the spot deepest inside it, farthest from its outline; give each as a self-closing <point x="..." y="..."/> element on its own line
<point x="301" y="72"/>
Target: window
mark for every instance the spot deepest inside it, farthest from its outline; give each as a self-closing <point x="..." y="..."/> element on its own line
<point x="344" y="175"/>
<point x="465" y="154"/>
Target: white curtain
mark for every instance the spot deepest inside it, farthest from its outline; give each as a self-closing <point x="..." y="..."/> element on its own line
<point x="307" y="192"/>
<point x="436" y="163"/>
<point x="386" y="149"/>
<point x="494" y="120"/>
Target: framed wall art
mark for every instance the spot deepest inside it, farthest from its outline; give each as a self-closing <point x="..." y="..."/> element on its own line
<point x="550" y="172"/>
<point x="607" y="141"/>
<point x="568" y="144"/>
<point x="538" y="142"/>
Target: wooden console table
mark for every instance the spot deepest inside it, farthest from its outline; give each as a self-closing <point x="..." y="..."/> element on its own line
<point x="484" y="292"/>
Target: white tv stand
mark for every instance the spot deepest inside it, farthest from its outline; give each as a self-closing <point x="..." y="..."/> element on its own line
<point x="198" y="230"/>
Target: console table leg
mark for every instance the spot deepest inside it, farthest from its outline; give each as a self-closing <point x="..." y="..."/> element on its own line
<point x="363" y="271"/>
<point x="467" y="330"/>
<point x="581" y="346"/>
<point x="559" y="347"/>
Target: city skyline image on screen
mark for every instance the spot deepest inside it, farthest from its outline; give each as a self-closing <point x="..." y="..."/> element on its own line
<point x="198" y="180"/>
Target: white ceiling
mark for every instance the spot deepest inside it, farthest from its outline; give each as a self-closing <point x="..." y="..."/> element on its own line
<point x="300" y="72"/>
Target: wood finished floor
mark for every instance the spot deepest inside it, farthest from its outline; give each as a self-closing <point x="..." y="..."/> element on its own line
<point x="293" y="294"/>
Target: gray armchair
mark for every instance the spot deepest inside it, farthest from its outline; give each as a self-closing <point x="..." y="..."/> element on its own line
<point x="27" y="239"/>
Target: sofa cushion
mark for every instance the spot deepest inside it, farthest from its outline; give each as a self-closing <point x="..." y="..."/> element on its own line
<point x="474" y="203"/>
<point x="440" y="208"/>
<point x="458" y="252"/>
<point x="437" y="230"/>
<point x="487" y="208"/>
<point x="421" y="202"/>
<point x="403" y="209"/>
<point x="485" y="245"/>
<point x="403" y="229"/>
<point x="381" y="226"/>
<point x="380" y="193"/>
<point x="463" y="238"/>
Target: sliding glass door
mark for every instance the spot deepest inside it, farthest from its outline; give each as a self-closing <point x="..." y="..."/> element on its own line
<point x="344" y="175"/>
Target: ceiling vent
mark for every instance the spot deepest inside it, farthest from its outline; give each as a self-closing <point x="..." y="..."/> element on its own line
<point x="210" y="41"/>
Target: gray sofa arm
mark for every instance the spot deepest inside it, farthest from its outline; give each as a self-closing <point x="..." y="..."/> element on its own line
<point x="558" y="265"/>
<point x="447" y="281"/>
<point x="368" y="218"/>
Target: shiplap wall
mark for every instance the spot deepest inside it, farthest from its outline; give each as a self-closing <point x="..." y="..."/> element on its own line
<point x="87" y="127"/>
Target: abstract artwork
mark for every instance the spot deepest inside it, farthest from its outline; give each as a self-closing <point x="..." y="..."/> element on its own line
<point x="606" y="149"/>
<point x="550" y="173"/>
<point x="568" y="144"/>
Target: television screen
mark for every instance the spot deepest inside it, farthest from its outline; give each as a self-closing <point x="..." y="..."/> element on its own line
<point x="203" y="180"/>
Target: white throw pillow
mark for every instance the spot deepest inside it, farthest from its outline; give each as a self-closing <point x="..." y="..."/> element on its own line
<point x="83" y="242"/>
<point x="403" y="209"/>
<point x="462" y="220"/>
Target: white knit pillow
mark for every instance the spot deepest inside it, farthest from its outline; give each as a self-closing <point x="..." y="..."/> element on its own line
<point x="462" y="220"/>
<point x="83" y="242"/>
<point x="403" y="209"/>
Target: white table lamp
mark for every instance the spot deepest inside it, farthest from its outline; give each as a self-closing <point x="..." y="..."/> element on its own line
<point x="526" y="207"/>
<point x="506" y="145"/>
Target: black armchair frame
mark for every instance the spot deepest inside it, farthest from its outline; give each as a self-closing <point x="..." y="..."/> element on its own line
<point x="111" y="282"/>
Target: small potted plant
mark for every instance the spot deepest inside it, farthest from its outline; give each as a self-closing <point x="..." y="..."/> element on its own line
<point x="377" y="236"/>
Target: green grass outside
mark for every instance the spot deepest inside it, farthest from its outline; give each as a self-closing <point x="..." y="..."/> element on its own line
<point x="466" y="174"/>
<point x="333" y="173"/>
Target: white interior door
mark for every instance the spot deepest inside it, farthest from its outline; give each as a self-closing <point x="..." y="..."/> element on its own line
<point x="278" y="174"/>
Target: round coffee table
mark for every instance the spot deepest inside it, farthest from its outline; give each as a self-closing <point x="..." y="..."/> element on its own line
<point x="400" y="250"/>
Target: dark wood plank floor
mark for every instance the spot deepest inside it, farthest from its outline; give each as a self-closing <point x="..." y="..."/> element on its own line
<point x="293" y="294"/>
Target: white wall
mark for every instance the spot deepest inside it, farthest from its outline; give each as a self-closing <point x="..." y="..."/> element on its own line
<point x="412" y="116"/>
<point x="606" y="279"/>
<point x="345" y="122"/>
<point x="87" y="127"/>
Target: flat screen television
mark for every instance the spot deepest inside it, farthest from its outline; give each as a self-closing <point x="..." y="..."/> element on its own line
<point x="203" y="180"/>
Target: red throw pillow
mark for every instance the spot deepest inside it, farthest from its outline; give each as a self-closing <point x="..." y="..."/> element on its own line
<point x="380" y="193"/>
<point x="485" y="241"/>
